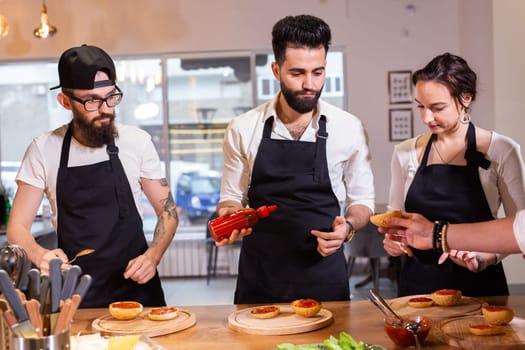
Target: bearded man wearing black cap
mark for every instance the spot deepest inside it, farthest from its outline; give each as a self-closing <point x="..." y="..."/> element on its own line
<point x="93" y="172"/>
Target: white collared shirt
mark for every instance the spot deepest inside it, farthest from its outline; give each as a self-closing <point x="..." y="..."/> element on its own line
<point x="347" y="153"/>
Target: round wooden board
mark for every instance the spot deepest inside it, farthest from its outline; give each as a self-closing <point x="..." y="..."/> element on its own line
<point x="288" y="322"/>
<point x="108" y="325"/>
<point x="467" y="306"/>
<point x="455" y="332"/>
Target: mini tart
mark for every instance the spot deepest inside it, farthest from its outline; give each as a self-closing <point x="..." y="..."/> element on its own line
<point x="379" y="219"/>
<point x="263" y="312"/>
<point x="163" y="313"/>
<point x="306" y="307"/>
<point x="420" y="302"/>
<point x="497" y="315"/>
<point x="485" y="329"/>
<point x="446" y="297"/>
<point x="125" y="310"/>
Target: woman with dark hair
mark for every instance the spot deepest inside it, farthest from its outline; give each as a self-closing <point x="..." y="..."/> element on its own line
<point x="458" y="173"/>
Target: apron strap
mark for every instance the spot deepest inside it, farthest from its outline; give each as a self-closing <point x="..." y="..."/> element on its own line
<point x="267" y="131"/>
<point x="320" y="151"/>
<point x="118" y="170"/>
<point x="424" y="160"/>
<point x="64" y="156"/>
<point x="472" y="155"/>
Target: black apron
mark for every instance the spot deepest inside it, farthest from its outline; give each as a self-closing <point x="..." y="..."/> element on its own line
<point x="453" y="193"/>
<point x="279" y="261"/>
<point x="96" y="210"/>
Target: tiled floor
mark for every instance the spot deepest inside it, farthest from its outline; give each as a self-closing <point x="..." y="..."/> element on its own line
<point x="195" y="291"/>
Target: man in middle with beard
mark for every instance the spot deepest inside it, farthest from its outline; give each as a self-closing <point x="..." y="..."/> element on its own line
<point x="93" y="172"/>
<point x="309" y="158"/>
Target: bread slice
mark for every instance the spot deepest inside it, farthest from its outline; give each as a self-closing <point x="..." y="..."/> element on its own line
<point x="379" y="219"/>
<point x="306" y="307"/>
<point x="497" y="315"/>
<point x="485" y="329"/>
<point x="446" y="297"/>
<point x="264" y="312"/>
<point x="420" y="302"/>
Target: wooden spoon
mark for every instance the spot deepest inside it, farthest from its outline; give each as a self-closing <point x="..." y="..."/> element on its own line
<point x="81" y="253"/>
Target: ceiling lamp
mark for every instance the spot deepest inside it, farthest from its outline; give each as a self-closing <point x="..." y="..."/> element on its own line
<point x="45" y="29"/>
<point x="4" y="26"/>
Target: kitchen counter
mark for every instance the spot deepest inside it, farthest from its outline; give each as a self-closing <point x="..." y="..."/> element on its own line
<point x="358" y="318"/>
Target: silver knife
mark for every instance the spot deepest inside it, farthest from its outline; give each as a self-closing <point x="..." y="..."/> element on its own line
<point x="70" y="282"/>
<point x="83" y="285"/>
<point x="55" y="286"/>
<point x="23" y="328"/>
<point x="33" y="285"/>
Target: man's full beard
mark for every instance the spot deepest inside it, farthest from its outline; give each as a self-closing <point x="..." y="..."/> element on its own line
<point x="300" y="105"/>
<point x="95" y="136"/>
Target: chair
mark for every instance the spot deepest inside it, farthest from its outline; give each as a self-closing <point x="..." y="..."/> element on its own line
<point x="367" y="243"/>
<point x="213" y="252"/>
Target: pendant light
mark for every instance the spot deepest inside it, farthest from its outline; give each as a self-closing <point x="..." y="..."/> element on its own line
<point x="4" y="26"/>
<point x="45" y="29"/>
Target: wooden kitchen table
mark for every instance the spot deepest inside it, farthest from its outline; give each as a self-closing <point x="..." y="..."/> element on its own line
<point x="360" y="319"/>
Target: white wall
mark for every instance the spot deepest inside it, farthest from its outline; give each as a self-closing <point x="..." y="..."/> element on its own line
<point x="509" y="75"/>
<point x="377" y="36"/>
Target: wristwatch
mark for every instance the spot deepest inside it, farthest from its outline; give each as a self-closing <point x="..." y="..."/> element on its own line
<point x="351" y="231"/>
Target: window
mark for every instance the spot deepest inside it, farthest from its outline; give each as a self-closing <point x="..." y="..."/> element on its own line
<point x="184" y="101"/>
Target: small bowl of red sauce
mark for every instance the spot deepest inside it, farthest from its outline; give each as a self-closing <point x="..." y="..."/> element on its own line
<point x="402" y="336"/>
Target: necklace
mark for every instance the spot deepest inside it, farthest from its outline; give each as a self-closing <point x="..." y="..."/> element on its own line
<point x="441" y="157"/>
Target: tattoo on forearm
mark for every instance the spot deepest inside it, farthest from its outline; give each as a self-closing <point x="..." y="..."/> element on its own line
<point x="164" y="182"/>
<point x="159" y="232"/>
<point x="168" y="205"/>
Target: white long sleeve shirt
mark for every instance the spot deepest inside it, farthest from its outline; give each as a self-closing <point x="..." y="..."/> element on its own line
<point x="347" y="153"/>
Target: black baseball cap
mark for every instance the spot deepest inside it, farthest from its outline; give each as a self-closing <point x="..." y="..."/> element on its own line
<point x="78" y="66"/>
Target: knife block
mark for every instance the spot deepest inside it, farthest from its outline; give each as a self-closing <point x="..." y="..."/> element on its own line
<point x="6" y="336"/>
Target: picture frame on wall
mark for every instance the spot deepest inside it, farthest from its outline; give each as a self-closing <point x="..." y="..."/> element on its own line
<point x="401" y="124"/>
<point x="400" y="86"/>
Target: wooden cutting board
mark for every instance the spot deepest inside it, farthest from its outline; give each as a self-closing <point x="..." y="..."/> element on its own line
<point x="455" y="332"/>
<point x="108" y="325"/>
<point x="467" y="306"/>
<point x="288" y="322"/>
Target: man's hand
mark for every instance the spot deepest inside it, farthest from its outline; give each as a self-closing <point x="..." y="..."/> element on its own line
<point x="236" y="234"/>
<point x="43" y="265"/>
<point x="329" y="242"/>
<point x="141" y="269"/>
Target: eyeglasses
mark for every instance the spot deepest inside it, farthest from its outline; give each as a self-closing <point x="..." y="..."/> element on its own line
<point x="93" y="104"/>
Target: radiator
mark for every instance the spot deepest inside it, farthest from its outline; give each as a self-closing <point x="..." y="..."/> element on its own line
<point x="184" y="257"/>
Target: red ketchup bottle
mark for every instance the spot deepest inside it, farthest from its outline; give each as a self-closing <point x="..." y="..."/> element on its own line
<point x="222" y="227"/>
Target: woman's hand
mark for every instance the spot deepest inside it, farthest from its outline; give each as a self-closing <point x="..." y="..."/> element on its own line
<point x="473" y="261"/>
<point x="412" y="229"/>
<point x="393" y="246"/>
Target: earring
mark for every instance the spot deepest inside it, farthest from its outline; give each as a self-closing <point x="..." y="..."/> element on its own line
<point x="465" y="119"/>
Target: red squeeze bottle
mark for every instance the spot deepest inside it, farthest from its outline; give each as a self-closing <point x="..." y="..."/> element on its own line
<point x="222" y="227"/>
